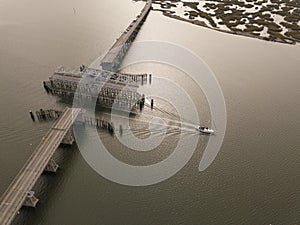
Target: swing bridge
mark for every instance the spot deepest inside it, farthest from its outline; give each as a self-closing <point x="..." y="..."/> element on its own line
<point x="109" y="86"/>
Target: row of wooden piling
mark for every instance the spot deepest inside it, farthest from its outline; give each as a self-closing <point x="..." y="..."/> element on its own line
<point x="51" y="114"/>
<point x="45" y="115"/>
<point x="99" y="123"/>
<point x="141" y="103"/>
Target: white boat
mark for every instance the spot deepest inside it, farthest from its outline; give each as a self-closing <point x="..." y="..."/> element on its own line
<point x="205" y="130"/>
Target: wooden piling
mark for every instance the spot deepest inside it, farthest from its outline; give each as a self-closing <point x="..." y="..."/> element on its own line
<point x="121" y="130"/>
<point x="31" y="115"/>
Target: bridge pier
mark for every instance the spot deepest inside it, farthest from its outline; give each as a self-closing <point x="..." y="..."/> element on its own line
<point x="69" y="138"/>
<point x="30" y="200"/>
<point x="52" y="166"/>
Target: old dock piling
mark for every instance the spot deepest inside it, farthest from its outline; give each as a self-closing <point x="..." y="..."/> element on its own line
<point x="46" y="87"/>
<point x="99" y="123"/>
<point x="121" y="130"/>
<point x="48" y="114"/>
<point x="31" y="115"/>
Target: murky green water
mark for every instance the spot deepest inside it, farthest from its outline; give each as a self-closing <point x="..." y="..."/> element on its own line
<point x="255" y="177"/>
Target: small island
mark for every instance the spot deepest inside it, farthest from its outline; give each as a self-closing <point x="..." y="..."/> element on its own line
<point x="271" y="20"/>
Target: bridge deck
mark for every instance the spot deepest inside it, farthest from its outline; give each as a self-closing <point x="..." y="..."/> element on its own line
<point x="114" y="56"/>
<point x="15" y="195"/>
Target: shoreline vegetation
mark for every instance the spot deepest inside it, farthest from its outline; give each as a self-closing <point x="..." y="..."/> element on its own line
<point x="270" y="20"/>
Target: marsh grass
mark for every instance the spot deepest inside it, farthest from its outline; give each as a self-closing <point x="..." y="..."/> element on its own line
<point x="259" y="17"/>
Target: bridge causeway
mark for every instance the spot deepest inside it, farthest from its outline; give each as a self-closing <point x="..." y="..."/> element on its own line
<point x="114" y="57"/>
<point x="20" y="192"/>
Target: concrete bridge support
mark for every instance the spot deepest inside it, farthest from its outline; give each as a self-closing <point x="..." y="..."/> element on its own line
<point x="30" y="200"/>
<point x="52" y="166"/>
<point x="69" y="138"/>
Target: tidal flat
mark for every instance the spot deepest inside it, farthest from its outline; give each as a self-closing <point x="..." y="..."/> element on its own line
<point x="271" y="20"/>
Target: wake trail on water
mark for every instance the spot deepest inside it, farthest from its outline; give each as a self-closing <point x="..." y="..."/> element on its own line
<point x="170" y="126"/>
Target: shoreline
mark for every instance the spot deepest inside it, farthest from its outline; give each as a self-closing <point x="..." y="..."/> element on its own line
<point x="199" y="23"/>
<point x="267" y="20"/>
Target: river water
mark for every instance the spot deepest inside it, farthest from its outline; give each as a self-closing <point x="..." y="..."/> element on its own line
<point x="254" y="178"/>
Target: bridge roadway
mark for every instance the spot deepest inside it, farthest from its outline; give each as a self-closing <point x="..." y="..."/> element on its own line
<point x="112" y="60"/>
<point x="14" y="197"/>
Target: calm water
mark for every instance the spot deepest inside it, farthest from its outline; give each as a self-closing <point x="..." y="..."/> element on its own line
<point x="255" y="178"/>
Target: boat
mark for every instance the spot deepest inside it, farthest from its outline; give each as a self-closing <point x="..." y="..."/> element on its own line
<point x="205" y="130"/>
